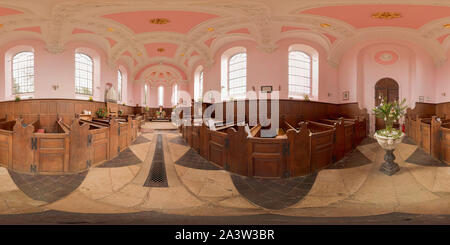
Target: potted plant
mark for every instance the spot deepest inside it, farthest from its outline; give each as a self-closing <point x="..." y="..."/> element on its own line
<point x="17" y="98"/>
<point x="101" y="112"/>
<point x="390" y="137"/>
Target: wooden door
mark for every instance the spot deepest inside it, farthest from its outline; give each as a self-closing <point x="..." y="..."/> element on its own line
<point x="387" y="89"/>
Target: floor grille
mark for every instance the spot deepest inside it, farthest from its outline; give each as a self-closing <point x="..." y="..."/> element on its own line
<point x="157" y="176"/>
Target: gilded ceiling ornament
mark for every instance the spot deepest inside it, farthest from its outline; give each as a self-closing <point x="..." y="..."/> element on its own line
<point x="447" y="26"/>
<point x="159" y="21"/>
<point x="386" y="15"/>
<point x="160" y="50"/>
<point x="325" y="25"/>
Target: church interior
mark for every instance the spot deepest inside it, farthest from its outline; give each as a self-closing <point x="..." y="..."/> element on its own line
<point x="224" y="112"/>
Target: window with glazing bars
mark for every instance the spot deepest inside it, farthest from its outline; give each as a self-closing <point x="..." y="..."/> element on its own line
<point x="237" y="75"/>
<point x="145" y="93"/>
<point x="299" y="74"/>
<point x="23" y="73"/>
<point x="160" y="95"/>
<point x="84" y="75"/>
<point x="119" y="85"/>
<point x="198" y="90"/>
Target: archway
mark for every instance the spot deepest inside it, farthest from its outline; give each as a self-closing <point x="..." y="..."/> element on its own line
<point x="386" y="88"/>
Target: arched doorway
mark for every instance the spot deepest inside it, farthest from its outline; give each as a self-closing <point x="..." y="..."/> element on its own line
<point x="386" y="88"/>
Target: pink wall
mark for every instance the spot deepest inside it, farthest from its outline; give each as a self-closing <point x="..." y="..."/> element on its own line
<point x="52" y="69"/>
<point x="270" y="69"/>
<point x="443" y="81"/>
<point x="359" y="71"/>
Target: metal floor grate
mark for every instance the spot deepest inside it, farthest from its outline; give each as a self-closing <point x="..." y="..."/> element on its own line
<point x="157" y="176"/>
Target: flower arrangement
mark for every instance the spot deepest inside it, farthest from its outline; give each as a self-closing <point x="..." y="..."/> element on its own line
<point x="390" y="113"/>
<point x="101" y="112"/>
<point x="17" y="98"/>
<point x="306" y="97"/>
<point x="91" y="99"/>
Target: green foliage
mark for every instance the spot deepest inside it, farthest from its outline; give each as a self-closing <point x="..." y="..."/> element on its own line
<point x="17" y="98"/>
<point x="390" y="112"/>
<point x="91" y="99"/>
<point x="101" y="112"/>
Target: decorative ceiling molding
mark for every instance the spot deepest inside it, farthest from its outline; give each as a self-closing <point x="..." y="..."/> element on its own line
<point x="262" y="18"/>
<point x="432" y="47"/>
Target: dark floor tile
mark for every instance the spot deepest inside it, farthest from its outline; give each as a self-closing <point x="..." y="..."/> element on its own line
<point x="140" y="140"/>
<point x="125" y="158"/>
<point x="353" y="159"/>
<point x="368" y="140"/>
<point x="192" y="159"/>
<point x="420" y="157"/>
<point x="408" y="140"/>
<point x="47" y="188"/>
<point x="273" y="193"/>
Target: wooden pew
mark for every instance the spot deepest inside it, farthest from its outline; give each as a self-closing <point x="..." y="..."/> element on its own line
<point x="97" y="141"/>
<point x="444" y="135"/>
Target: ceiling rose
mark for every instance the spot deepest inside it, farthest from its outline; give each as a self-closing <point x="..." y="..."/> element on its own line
<point x="159" y="21"/>
<point x="386" y="15"/>
<point x="386" y="57"/>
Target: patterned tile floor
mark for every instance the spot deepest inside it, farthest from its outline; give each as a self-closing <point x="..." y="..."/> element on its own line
<point x="276" y="193"/>
<point x="351" y="192"/>
<point x="47" y="188"/>
<point x="192" y="159"/>
<point x="353" y="159"/>
<point x="125" y="158"/>
<point x="420" y="157"/>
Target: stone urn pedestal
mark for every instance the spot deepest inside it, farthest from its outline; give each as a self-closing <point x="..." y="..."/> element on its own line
<point x="389" y="167"/>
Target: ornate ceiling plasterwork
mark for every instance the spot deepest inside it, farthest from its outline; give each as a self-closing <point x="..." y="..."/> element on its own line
<point x="263" y="19"/>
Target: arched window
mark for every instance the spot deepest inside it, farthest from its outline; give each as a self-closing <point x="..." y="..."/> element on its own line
<point x="300" y="65"/>
<point x="175" y="94"/>
<point x="198" y="86"/>
<point x="84" y="75"/>
<point x="237" y="75"/>
<point x="23" y="73"/>
<point x="160" y="96"/>
<point x="119" y="85"/>
<point x="145" y="94"/>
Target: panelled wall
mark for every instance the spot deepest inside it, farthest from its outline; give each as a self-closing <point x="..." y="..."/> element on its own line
<point x="64" y="108"/>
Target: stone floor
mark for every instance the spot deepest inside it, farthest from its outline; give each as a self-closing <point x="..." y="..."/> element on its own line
<point x="351" y="191"/>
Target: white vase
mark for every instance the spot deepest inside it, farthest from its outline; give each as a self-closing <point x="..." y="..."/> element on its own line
<point x="389" y="167"/>
<point x="388" y="143"/>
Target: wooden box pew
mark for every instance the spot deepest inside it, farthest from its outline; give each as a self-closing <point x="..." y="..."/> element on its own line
<point x="114" y="134"/>
<point x="359" y="128"/>
<point x="3" y="119"/>
<point x="348" y="130"/>
<point x="322" y="141"/>
<point x="91" y="138"/>
<point x="267" y="156"/>
<point x="340" y="139"/>
<point x="6" y="143"/>
<point x="424" y="134"/>
<point x="431" y="135"/>
<point x="444" y="136"/>
<point x="310" y="147"/>
<point x="37" y="147"/>
<point x="226" y="146"/>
